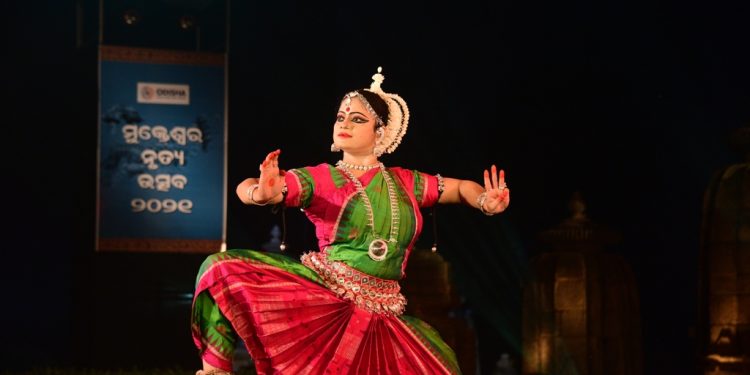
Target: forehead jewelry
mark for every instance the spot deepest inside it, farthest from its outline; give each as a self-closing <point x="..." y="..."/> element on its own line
<point x="348" y="103"/>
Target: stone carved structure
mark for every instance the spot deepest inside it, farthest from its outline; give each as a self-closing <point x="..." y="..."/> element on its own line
<point x="581" y="307"/>
<point x="724" y="314"/>
<point x="431" y="297"/>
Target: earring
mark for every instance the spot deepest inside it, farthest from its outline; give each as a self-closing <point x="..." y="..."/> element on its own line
<point x="378" y="150"/>
<point x="335" y="148"/>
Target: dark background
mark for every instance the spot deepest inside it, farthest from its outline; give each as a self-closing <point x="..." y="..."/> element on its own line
<point x="629" y="102"/>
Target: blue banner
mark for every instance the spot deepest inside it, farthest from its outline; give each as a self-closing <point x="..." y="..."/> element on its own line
<point x="161" y="150"/>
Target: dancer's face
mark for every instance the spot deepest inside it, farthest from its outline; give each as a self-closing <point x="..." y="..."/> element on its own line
<point x="354" y="129"/>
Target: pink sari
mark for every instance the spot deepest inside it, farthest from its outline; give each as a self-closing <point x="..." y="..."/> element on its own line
<point x="331" y="318"/>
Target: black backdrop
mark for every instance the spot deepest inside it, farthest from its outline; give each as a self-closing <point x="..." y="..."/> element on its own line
<point x="629" y="102"/>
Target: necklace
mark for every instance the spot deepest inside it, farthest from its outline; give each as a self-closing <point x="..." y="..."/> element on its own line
<point x="346" y="165"/>
<point x="378" y="248"/>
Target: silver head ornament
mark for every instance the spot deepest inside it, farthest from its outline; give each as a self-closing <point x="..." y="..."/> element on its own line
<point x="398" y="116"/>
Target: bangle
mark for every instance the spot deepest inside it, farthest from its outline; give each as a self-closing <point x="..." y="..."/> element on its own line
<point x="250" y="192"/>
<point x="480" y="202"/>
<point x="441" y="185"/>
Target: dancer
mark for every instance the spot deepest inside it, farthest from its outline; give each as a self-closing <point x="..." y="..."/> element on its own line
<point x="339" y="310"/>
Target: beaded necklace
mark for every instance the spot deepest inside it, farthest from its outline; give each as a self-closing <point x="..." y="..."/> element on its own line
<point x="378" y="248"/>
<point x="346" y="165"/>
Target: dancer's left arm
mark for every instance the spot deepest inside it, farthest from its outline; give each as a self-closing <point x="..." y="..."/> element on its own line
<point x="497" y="194"/>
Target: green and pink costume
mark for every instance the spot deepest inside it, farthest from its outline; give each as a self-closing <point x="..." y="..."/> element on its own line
<point x="338" y="311"/>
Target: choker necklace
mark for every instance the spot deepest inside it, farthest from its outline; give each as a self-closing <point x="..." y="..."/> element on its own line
<point x="378" y="248"/>
<point x="343" y="164"/>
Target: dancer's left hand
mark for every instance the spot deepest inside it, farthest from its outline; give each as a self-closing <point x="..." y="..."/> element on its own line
<point x="498" y="194"/>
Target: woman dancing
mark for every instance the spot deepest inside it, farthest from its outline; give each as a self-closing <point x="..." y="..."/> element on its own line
<point x="339" y="310"/>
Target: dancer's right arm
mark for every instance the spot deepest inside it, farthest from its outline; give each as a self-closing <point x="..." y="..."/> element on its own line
<point x="270" y="183"/>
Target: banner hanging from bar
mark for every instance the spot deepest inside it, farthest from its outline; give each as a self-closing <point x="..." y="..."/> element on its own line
<point x="162" y="154"/>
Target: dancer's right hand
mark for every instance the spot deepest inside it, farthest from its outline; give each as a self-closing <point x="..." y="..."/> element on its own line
<point x="271" y="179"/>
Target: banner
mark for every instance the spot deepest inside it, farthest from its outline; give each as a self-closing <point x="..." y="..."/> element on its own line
<point x="162" y="154"/>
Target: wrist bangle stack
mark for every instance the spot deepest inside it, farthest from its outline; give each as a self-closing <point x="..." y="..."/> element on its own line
<point x="441" y="185"/>
<point x="480" y="202"/>
<point x="250" y="192"/>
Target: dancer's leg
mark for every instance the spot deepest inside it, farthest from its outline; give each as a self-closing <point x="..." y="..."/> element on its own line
<point x="213" y="334"/>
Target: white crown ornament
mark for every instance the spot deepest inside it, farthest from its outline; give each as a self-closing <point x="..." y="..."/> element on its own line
<point x="398" y="118"/>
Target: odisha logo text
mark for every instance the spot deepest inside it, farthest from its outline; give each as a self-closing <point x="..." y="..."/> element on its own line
<point x="172" y="93"/>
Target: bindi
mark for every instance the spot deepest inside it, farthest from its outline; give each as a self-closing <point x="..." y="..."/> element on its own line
<point x="348" y="103"/>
